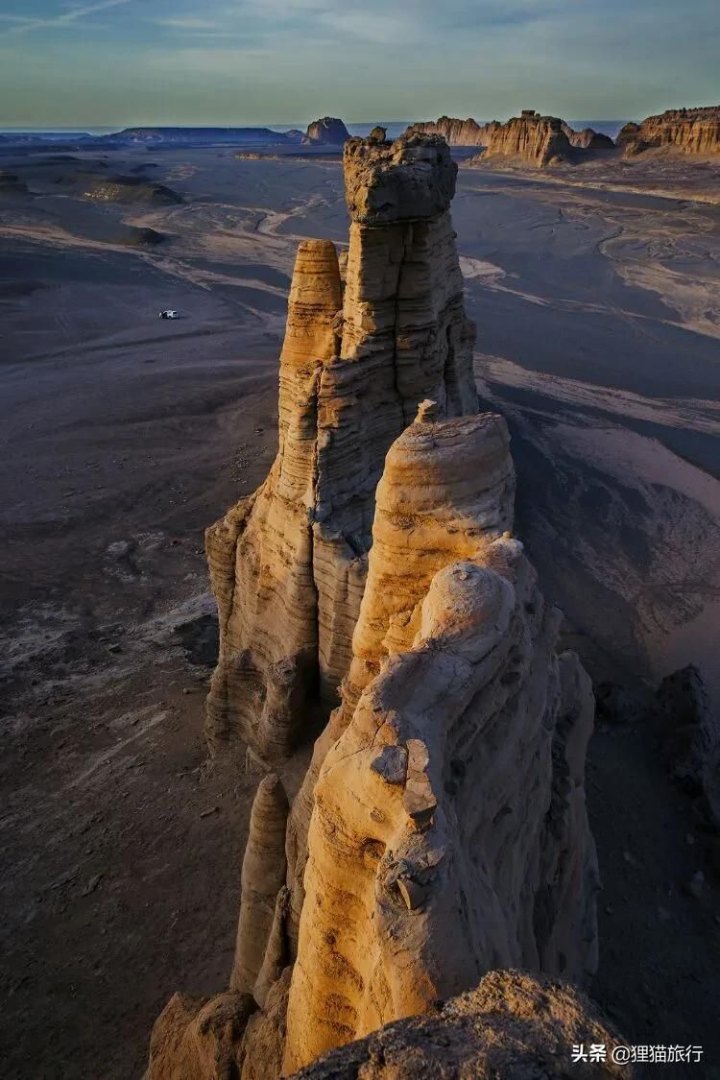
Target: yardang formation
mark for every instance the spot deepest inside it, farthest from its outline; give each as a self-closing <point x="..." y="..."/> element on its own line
<point x="440" y="831"/>
<point x="528" y="139"/>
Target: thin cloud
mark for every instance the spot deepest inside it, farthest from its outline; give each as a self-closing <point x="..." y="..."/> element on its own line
<point x="188" y="23"/>
<point x="66" y="18"/>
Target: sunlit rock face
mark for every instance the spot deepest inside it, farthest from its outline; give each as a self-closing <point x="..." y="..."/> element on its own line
<point x="529" y="139"/>
<point x="685" y="131"/>
<point x="447" y="831"/>
<point x="440" y="831"/>
<point x="288" y="563"/>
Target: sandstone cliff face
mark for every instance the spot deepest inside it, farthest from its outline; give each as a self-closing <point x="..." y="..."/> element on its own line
<point x="288" y="564"/>
<point x="329" y="131"/>
<point x="455" y="132"/>
<point x="261" y="553"/>
<point x="685" y="131"/>
<point x="422" y="872"/>
<point x="440" y="831"/>
<point x="529" y="139"/>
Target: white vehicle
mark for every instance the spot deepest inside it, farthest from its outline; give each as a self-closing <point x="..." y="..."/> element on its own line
<point x="169" y="314"/>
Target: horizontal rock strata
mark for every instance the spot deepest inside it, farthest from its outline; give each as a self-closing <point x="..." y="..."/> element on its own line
<point x="455" y="132"/>
<point x="684" y="131"/>
<point x="529" y="139"/>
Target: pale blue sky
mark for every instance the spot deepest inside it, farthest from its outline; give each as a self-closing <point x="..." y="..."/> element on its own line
<point x="118" y="62"/>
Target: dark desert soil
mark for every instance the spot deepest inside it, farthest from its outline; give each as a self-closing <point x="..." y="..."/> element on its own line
<point x="123" y="437"/>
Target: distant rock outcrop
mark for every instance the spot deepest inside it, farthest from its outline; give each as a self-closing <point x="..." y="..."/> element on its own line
<point x="685" y="131"/>
<point x="440" y="830"/>
<point x="329" y="131"/>
<point x="588" y="139"/>
<point x="529" y="139"/>
<point x="454" y="132"/>
<point x="193" y="136"/>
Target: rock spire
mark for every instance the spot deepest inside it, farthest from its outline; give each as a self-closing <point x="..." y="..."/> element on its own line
<point x="288" y="563"/>
<point x="440" y="831"/>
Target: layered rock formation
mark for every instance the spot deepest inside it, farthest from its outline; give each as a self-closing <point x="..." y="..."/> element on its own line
<point x="448" y="832"/>
<point x="685" y="131"/>
<point x="440" y="831"/>
<point x="529" y="139"/>
<point x="455" y="132"/>
<point x="288" y="564"/>
<point x="329" y="131"/>
<point x="513" y="1026"/>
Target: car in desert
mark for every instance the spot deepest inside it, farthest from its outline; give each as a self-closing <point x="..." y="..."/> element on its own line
<point x="168" y="314"/>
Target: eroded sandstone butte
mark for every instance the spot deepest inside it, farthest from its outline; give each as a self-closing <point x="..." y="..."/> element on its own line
<point x="529" y="139"/>
<point x="288" y="563"/>
<point x="684" y="131"/>
<point x="455" y="132"/>
<point x="440" y="831"/>
<point x="328" y="131"/>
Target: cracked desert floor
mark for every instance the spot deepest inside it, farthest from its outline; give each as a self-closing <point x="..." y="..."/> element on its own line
<point x="123" y="436"/>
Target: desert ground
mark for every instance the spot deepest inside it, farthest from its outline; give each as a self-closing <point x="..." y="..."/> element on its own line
<point x="597" y="302"/>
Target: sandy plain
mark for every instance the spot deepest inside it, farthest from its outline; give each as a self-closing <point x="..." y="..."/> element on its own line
<point x="598" y="314"/>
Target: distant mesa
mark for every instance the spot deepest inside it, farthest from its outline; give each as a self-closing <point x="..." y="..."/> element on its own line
<point x="182" y="136"/>
<point x="528" y="139"/>
<point x="684" y="131"/>
<point x="23" y="138"/>
<point x="328" y="131"/>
